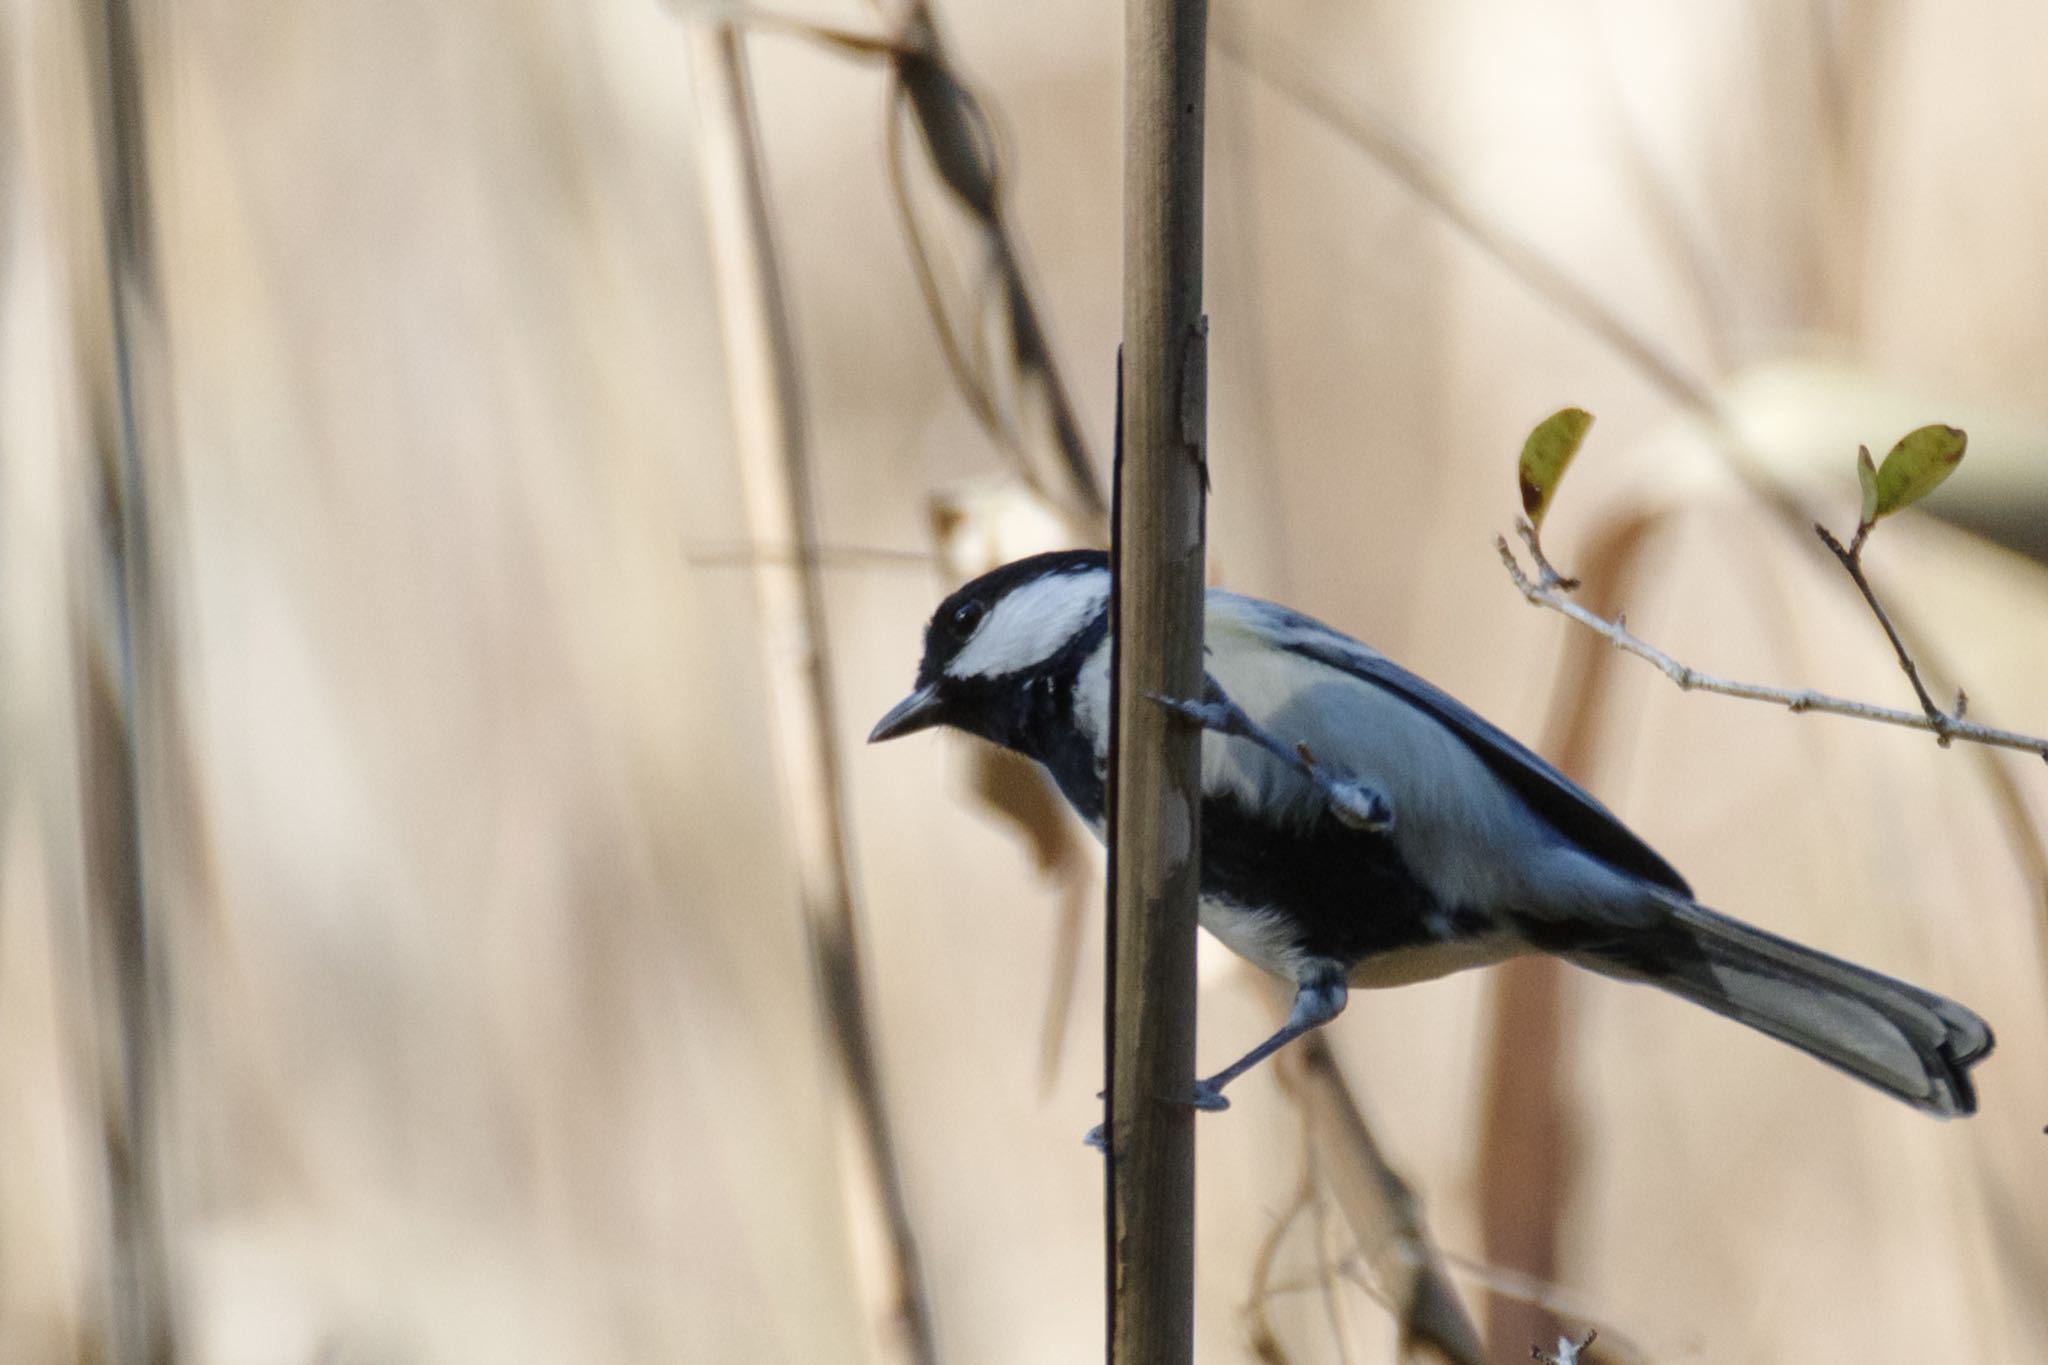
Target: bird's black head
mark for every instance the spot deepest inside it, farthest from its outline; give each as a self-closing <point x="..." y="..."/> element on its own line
<point x="990" y="643"/>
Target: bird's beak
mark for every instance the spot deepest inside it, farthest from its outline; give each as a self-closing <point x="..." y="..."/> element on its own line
<point x="918" y="711"/>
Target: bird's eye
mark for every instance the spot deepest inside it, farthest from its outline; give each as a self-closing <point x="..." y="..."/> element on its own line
<point x="966" y="617"/>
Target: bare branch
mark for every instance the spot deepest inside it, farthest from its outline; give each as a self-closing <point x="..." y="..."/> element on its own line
<point x="1547" y="591"/>
<point x="1851" y="559"/>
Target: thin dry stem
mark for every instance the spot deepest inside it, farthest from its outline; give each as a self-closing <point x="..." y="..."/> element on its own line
<point x="1851" y="559"/>
<point x="776" y="479"/>
<point x="1265" y="1342"/>
<point x="127" y="737"/>
<point x="1328" y="1278"/>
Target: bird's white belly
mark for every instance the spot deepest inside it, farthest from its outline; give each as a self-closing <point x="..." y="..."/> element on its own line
<point x="1264" y="939"/>
<point x="1428" y="961"/>
<point x="1260" y="937"/>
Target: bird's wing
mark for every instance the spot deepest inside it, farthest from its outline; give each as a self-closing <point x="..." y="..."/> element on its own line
<point x="1559" y="801"/>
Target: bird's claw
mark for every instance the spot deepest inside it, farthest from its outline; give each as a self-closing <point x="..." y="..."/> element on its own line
<point x="1207" y="1097"/>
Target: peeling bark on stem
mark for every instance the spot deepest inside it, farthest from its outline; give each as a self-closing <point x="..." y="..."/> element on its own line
<point x="1155" y="778"/>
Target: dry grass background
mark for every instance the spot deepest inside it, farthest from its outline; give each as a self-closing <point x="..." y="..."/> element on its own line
<point x="492" y="1033"/>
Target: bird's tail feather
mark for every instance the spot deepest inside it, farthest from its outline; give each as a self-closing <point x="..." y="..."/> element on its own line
<point x="1910" y="1042"/>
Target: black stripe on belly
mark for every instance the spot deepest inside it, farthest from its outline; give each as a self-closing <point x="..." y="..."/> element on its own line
<point x="1346" y="894"/>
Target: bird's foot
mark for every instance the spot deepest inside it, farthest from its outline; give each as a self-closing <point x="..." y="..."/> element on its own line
<point x="1207" y="1097"/>
<point x="1358" y="805"/>
<point x="1354" y="803"/>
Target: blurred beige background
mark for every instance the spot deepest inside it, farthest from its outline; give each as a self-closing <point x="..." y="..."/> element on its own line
<point x="493" y="1035"/>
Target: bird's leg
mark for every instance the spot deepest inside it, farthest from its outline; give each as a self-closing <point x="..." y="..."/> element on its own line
<point x="1354" y="803"/>
<point x="1318" y="999"/>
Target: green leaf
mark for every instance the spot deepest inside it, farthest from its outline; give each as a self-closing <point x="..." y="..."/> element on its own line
<point x="1545" y="454"/>
<point x="1866" y="474"/>
<point x="1916" y="466"/>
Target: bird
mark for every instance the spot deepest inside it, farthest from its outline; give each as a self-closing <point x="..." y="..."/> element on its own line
<point x="1361" y="828"/>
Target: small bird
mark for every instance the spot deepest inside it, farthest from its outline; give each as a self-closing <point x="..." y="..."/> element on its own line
<point x="1362" y="828"/>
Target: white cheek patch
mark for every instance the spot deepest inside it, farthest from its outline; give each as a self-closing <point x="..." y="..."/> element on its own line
<point x="1032" y="624"/>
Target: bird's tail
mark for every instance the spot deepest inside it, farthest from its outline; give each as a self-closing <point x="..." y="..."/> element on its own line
<point x="1910" y="1042"/>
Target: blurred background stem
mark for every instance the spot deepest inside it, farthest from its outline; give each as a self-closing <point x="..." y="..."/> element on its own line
<point x="776" y="479"/>
<point x="122" y="727"/>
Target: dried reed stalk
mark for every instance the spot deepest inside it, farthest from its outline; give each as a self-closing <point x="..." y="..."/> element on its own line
<point x="775" y="471"/>
<point x="121" y="664"/>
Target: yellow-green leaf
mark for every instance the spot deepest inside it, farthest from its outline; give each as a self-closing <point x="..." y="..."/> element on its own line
<point x="1916" y="466"/>
<point x="1545" y="454"/>
<point x="1866" y="475"/>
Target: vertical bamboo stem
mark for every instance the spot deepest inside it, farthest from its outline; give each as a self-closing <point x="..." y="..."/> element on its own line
<point x="1155" y="782"/>
<point x="775" y="473"/>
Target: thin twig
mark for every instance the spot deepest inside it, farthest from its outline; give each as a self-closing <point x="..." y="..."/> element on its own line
<point x="1265" y="1342"/>
<point x="1328" y="1276"/>
<point x="1851" y="559"/>
<point x="1307" y="1198"/>
<point x="1550" y="594"/>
